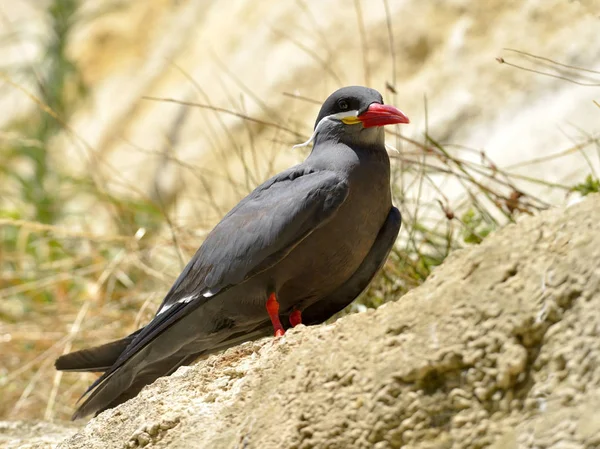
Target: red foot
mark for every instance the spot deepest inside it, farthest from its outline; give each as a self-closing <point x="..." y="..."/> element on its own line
<point x="273" y="311"/>
<point x="295" y="318"/>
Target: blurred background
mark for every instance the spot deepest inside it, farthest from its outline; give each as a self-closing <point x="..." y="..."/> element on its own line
<point x="129" y="127"/>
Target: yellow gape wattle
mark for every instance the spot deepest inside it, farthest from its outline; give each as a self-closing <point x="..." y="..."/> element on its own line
<point x="352" y="120"/>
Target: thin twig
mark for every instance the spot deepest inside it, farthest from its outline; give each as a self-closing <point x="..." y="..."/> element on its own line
<point x="541" y="58"/>
<point x="228" y="112"/>
<point x="300" y="97"/>
<point x="311" y="53"/>
<point x="49" y="413"/>
<point x="551" y="75"/>
<point x="363" y="42"/>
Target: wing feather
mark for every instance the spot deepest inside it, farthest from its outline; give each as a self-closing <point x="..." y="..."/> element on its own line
<point x="261" y="230"/>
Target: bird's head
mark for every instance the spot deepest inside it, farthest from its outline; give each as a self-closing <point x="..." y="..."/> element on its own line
<point x="356" y="114"/>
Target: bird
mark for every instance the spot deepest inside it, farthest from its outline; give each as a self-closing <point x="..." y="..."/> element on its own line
<point x="298" y="249"/>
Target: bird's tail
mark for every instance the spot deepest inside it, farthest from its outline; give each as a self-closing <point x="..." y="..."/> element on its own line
<point x="127" y="380"/>
<point x="96" y="359"/>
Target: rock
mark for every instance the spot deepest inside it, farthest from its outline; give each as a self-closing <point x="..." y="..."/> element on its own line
<point x="33" y="434"/>
<point x="473" y="358"/>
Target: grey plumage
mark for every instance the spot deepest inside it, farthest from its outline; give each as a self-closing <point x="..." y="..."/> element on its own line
<point x="314" y="235"/>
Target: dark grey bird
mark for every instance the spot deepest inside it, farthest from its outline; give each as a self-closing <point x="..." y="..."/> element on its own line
<point x="299" y="248"/>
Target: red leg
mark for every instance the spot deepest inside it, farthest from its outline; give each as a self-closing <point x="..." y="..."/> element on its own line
<point x="295" y="318"/>
<point x="273" y="311"/>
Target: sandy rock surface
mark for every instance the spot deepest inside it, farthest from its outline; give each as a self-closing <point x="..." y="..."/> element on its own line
<point x="34" y="434"/>
<point x="499" y="348"/>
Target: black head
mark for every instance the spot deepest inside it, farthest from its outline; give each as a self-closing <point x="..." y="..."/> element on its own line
<point x="354" y="115"/>
<point x="352" y="98"/>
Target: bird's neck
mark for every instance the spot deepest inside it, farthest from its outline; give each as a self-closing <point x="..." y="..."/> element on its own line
<point x="344" y="158"/>
<point x="353" y="136"/>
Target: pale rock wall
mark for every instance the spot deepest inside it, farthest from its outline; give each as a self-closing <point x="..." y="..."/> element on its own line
<point x="244" y="54"/>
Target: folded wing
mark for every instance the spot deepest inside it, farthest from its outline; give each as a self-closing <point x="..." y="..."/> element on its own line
<point x="261" y="230"/>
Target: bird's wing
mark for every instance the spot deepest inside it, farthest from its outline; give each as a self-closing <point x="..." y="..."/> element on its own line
<point x="358" y="282"/>
<point x="261" y="230"/>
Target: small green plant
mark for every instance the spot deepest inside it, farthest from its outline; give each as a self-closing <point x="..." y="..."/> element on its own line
<point x="476" y="228"/>
<point x="60" y="89"/>
<point x="590" y="185"/>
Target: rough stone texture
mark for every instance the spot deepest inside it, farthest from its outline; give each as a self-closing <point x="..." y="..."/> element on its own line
<point x="33" y="434"/>
<point x="499" y="348"/>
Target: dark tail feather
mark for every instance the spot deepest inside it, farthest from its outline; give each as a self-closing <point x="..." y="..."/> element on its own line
<point x="144" y="379"/>
<point x="126" y="382"/>
<point x="96" y="359"/>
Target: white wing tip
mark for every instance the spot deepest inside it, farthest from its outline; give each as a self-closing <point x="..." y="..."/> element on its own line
<point x="185" y="299"/>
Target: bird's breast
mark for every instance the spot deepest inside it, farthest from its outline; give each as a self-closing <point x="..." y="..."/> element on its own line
<point x="332" y="253"/>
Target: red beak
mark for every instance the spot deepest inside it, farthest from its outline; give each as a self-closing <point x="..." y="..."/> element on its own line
<point x="381" y="115"/>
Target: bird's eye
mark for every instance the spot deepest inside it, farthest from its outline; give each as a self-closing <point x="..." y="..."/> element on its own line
<point x="343" y="105"/>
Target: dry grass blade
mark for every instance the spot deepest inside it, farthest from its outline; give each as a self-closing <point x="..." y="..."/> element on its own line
<point x="62" y="231"/>
<point x="49" y="412"/>
<point x="325" y="64"/>
<point x="229" y="112"/>
<point x="569" y="77"/>
<point x="303" y="98"/>
<point x="363" y="42"/>
<point x="48" y="110"/>
<point x="551" y="61"/>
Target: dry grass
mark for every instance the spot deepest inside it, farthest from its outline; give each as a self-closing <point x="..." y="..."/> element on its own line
<point x="64" y="285"/>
